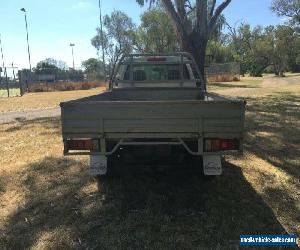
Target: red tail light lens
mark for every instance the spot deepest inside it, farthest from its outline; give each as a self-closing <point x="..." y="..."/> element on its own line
<point x="156" y="59"/>
<point x="80" y="144"/>
<point x="215" y="145"/>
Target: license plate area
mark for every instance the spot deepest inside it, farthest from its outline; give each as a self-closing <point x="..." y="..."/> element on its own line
<point x="98" y="165"/>
<point x="212" y="165"/>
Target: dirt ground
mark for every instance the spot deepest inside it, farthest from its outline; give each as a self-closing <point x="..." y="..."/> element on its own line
<point x="48" y="201"/>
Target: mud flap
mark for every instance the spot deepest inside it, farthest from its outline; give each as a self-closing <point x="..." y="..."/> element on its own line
<point x="98" y="165"/>
<point x="212" y="165"/>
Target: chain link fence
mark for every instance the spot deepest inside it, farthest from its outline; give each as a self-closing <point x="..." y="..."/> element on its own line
<point x="9" y="82"/>
<point x="223" y="72"/>
<point x="61" y="81"/>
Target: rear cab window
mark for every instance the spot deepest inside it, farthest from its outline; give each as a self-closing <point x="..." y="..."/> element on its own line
<point x="152" y="72"/>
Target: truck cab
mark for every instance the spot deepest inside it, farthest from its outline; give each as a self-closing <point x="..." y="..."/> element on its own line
<point x="167" y="70"/>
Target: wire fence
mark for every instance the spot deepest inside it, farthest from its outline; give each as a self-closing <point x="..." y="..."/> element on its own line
<point x="16" y="83"/>
<point x="223" y="72"/>
<point x="9" y="83"/>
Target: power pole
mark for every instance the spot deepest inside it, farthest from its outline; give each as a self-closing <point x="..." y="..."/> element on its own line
<point x="1" y="52"/>
<point x="7" y="83"/>
<point x="28" y="49"/>
<point x="102" y="42"/>
<point x="2" y="59"/>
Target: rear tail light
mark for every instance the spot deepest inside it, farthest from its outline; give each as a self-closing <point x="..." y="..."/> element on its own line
<point x="82" y="144"/>
<point x="215" y="145"/>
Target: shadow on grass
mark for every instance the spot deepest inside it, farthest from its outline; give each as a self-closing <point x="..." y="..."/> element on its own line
<point x="47" y="123"/>
<point x="273" y="131"/>
<point x="232" y="85"/>
<point x="2" y="184"/>
<point x="64" y="209"/>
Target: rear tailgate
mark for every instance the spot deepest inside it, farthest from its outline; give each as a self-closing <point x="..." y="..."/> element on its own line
<point x="221" y="118"/>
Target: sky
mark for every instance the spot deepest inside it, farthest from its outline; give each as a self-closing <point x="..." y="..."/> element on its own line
<point x="54" y="24"/>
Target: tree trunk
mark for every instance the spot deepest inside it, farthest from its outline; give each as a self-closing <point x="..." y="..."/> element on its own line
<point x="197" y="48"/>
<point x="194" y="40"/>
<point x="199" y="55"/>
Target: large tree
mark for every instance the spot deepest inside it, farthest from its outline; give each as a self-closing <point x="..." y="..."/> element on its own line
<point x="50" y="65"/>
<point x="155" y="33"/>
<point x="58" y="68"/>
<point x="117" y="38"/>
<point x="92" y="65"/>
<point x="193" y="33"/>
<point x="251" y="48"/>
<point x="94" y="68"/>
<point x="284" y="50"/>
<point x="274" y="47"/>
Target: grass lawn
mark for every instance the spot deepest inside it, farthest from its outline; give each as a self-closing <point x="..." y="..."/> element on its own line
<point x="245" y="82"/>
<point x="48" y="201"/>
<point x="43" y="99"/>
<point x="12" y="93"/>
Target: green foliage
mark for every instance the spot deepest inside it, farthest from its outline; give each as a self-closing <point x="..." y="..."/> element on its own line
<point x="259" y="48"/>
<point x="94" y="69"/>
<point x="275" y="48"/>
<point x="117" y="38"/>
<point x="193" y="23"/>
<point x="156" y="33"/>
<point x="50" y="66"/>
<point x="75" y="75"/>
<point x="217" y="52"/>
<point x="92" y="65"/>
<point x="250" y="49"/>
<point x="287" y="8"/>
<point x="298" y="60"/>
<point x="285" y="49"/>
<point x="59" y="69"/>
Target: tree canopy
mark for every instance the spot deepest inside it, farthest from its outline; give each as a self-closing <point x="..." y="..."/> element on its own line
<point x="197" y="27"/>
<point x="193" y="23"/>
<point x="92" y="65"/>
<point x="287" y="8"/>
<point x="156" y="34"/>
<point x="118" y="38"/>
<point x="57" y="68"/>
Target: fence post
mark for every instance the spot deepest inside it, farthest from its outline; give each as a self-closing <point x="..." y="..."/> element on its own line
<point x="7" y="83"/>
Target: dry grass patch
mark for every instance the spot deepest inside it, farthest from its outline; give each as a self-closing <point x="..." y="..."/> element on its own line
<point x="65" y="86"/>
<point x="49" y="201"/>
<point x="43" y="100"/>
<point x="244" y="83"/>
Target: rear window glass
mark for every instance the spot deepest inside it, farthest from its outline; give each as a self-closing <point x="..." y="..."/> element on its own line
<point x="157" y="72"/>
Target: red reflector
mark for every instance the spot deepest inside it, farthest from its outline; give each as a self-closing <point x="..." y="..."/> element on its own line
<point x="156" y="59"/>
<point x="215" y="145"/>
<point x="86" y="144"/>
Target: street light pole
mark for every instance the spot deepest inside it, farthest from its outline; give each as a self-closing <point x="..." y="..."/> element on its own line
<point x="1" y="52"/>
<point x="72" y="46"/>
<point x="23" y="10"/>
<point x="2" y="60"/>
<point x="102" y="42"/>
